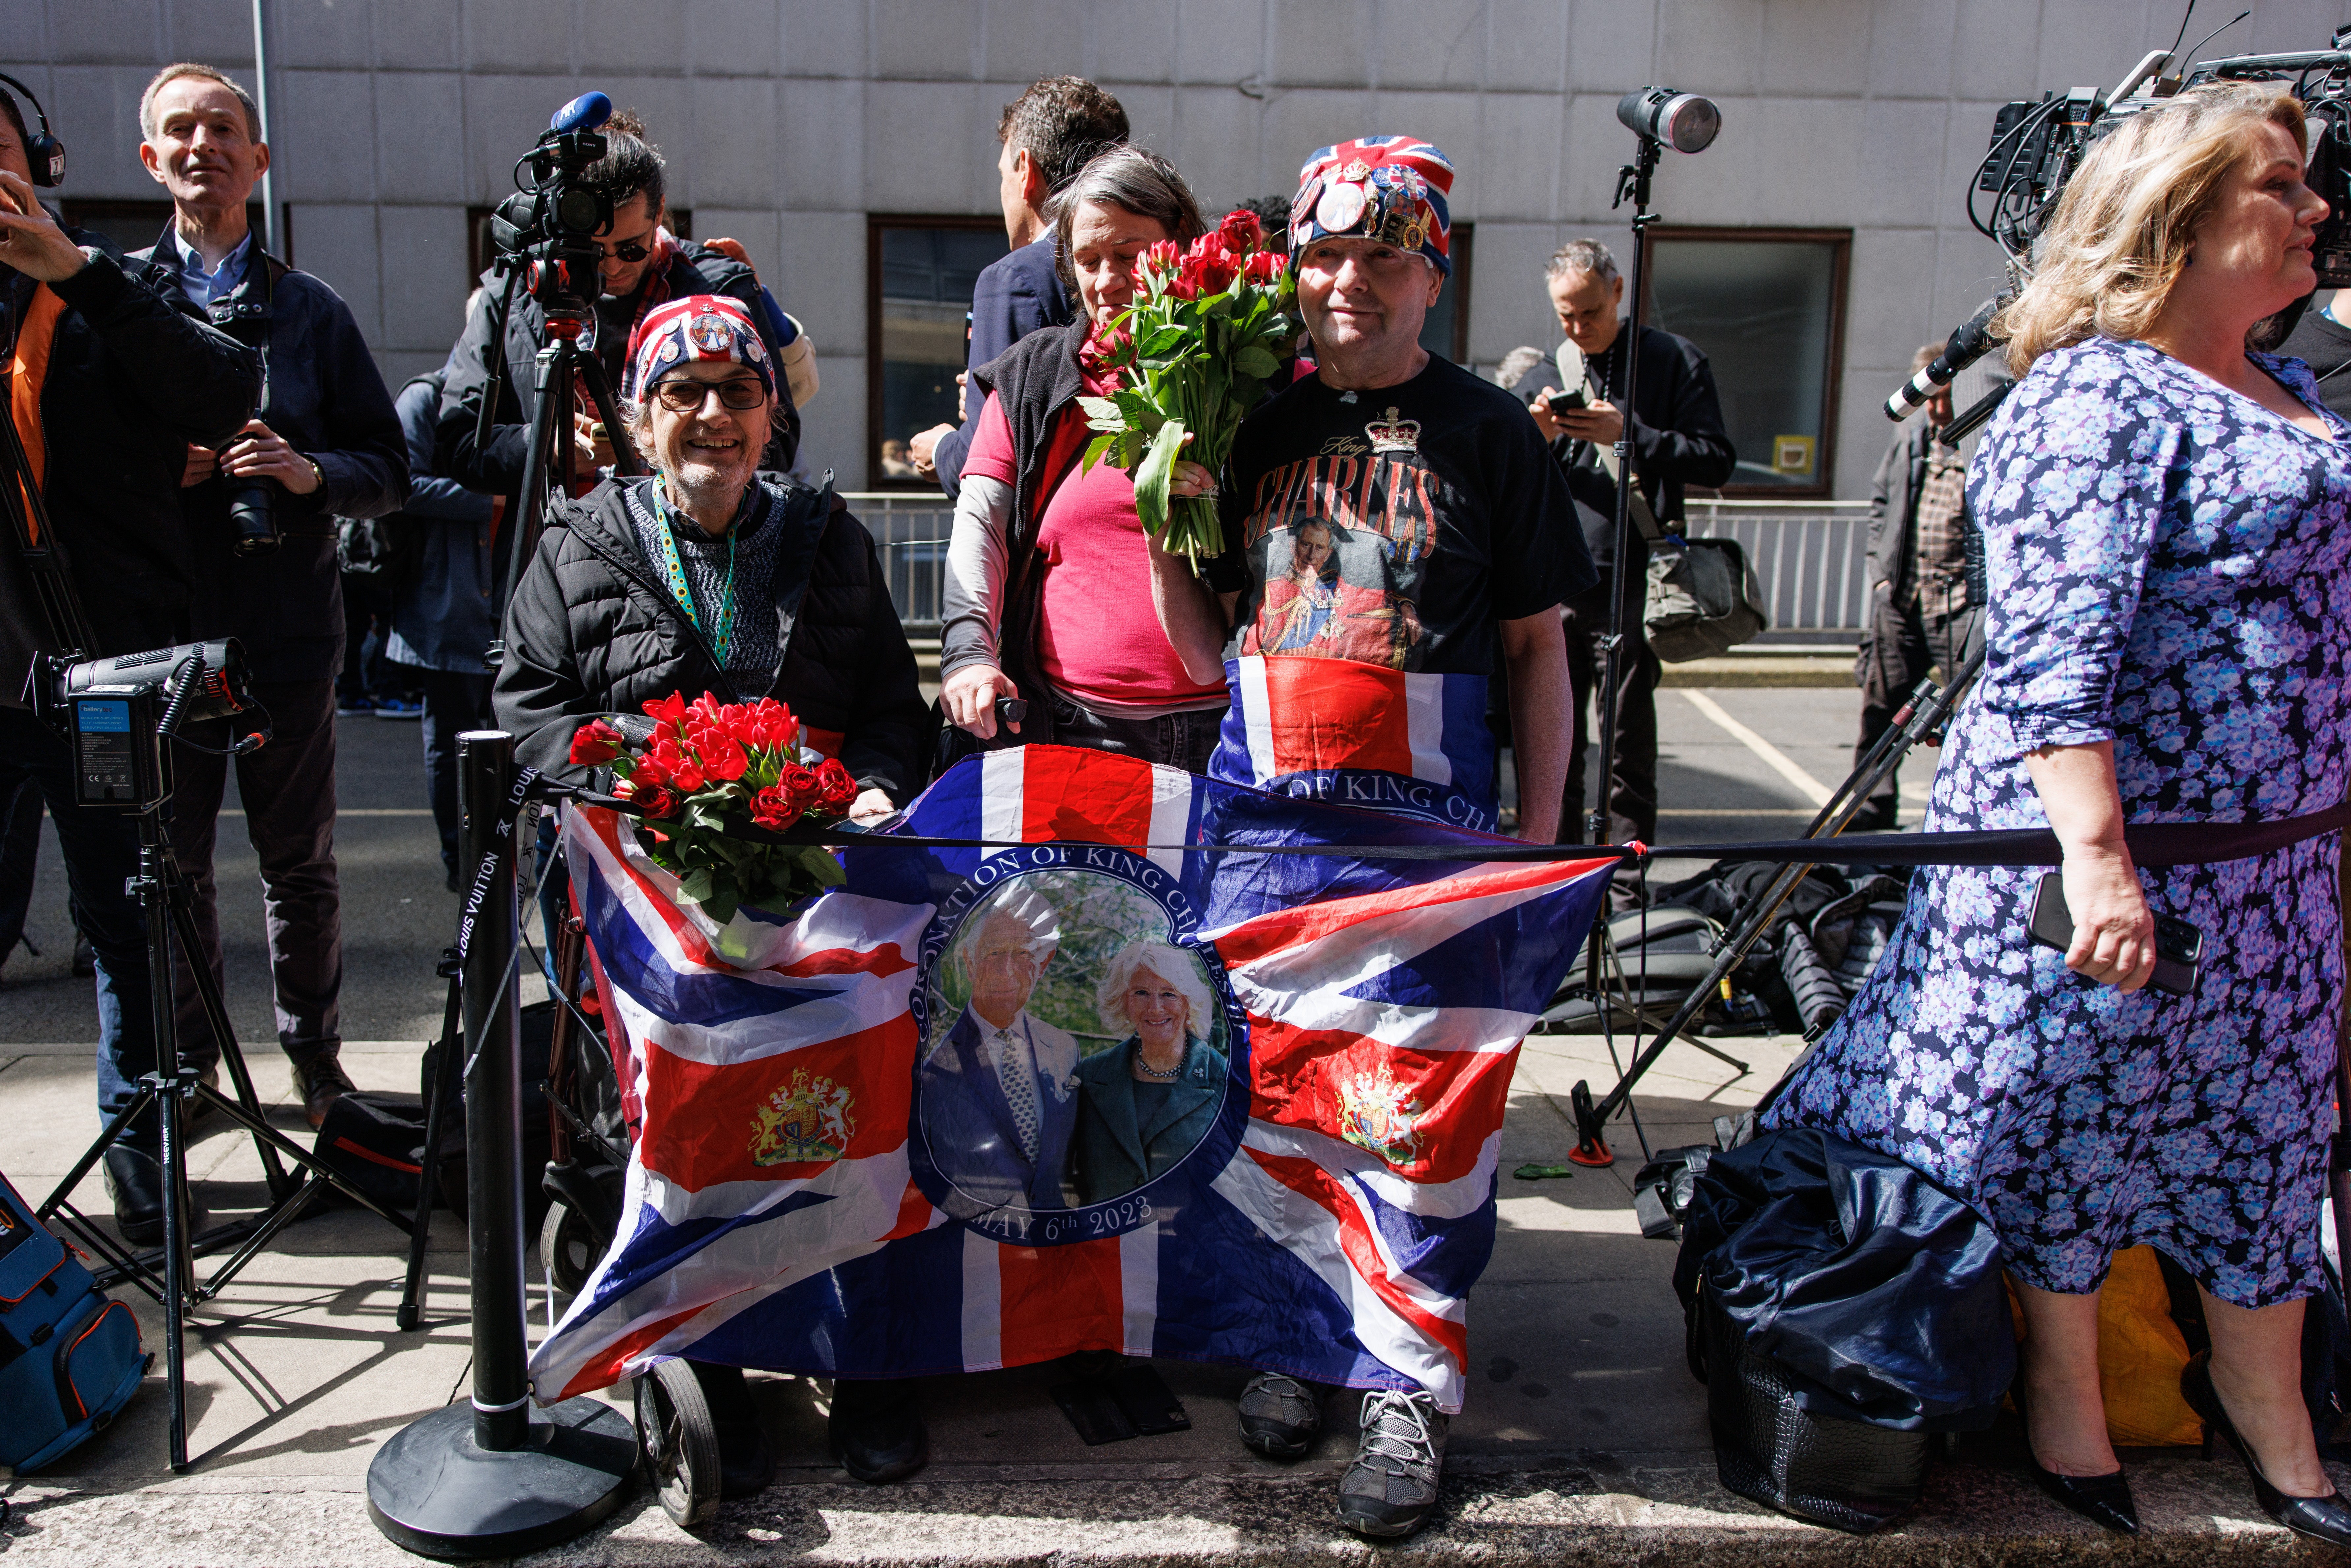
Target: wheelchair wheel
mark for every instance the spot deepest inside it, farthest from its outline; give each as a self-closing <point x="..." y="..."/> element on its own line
<point x="567" y="1248"/>
<point x="680" y="1441"/>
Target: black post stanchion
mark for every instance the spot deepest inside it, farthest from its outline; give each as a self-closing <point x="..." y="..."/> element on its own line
<point x="497" y="1477"/>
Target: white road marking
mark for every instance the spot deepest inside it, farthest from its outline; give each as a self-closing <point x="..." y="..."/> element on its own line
<point x="1778" y="762"/>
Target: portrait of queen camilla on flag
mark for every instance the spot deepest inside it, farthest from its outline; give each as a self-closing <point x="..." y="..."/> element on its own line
<point x="1141" y="1077"/>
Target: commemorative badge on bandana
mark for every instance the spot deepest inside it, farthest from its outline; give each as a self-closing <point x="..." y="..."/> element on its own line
<point x="1392" y="188"/>
<point x="700" y="327"/>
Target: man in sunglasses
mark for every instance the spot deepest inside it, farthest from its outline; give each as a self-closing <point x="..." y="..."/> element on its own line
<point x="641" y="267"/>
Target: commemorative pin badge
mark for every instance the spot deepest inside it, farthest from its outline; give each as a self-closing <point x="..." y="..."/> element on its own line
<point x="710" y="332"/>
<point x="1341" y="208"/>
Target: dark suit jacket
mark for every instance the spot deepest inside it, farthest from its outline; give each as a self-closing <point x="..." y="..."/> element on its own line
<point x="1013" y="296"/>
<point x="969" y="1123"/>
<point x="1111" y="1154"/>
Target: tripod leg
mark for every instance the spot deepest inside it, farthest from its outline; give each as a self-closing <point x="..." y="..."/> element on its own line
<point x="178" y="1258"/>
<point x="181" y="900"/>
<point x="412" y="1297"/>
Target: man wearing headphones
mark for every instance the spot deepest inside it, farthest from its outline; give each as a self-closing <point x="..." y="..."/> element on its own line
<point x="107" y="382"/>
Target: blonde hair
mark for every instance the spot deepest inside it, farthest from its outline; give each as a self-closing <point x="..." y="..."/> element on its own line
<point x="2107" y="263"/>
<point x="1173" y="965"/>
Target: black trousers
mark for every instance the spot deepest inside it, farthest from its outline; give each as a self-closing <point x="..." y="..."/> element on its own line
<point x="288" y="788"/>
<point x="1184" y="740"/>
<point x="455" y="702"/>
<point x="1904" y="642"/>
<point x="1632" y="793"/>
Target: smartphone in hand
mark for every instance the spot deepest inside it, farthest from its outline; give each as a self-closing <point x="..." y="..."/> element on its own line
<point x="1566" y="401"/>
<point x="2178" y="945"/>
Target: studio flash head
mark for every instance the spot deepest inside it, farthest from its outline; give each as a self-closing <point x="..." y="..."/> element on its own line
<point x="1681" y="120"/>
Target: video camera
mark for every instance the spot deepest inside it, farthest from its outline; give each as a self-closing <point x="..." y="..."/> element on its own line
<point x="118" y="711"/>
<point x="547" y="229"/>
<point x="2038" y="145"/>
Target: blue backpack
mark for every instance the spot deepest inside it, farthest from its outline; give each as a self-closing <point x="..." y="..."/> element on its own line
<point x="70" y="1357"/>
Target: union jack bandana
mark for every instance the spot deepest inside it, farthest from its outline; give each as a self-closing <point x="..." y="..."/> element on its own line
<point x="1390" y="188"/>
<point x="699" y="327"/>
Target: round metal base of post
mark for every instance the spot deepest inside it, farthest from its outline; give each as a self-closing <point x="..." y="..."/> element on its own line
<point x="433" y="1489"/>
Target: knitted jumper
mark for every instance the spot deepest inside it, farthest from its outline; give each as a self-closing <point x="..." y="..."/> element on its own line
<point x="750" y="658"/>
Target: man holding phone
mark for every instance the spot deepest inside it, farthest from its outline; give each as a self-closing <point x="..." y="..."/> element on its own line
<point x="1677" y="439"/>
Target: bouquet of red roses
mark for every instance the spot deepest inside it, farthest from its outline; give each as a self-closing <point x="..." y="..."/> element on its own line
<point x="709" y="763"/>
<point x="1207" y="330"/>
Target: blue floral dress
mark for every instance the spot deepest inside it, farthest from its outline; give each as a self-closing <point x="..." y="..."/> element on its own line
<point x="2167" y="563"/>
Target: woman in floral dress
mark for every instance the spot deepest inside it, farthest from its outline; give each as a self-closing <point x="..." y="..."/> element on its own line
<point x="2165" y="516"/>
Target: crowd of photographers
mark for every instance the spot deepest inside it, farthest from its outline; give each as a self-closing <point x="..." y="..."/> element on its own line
<point x="220" y="458"/>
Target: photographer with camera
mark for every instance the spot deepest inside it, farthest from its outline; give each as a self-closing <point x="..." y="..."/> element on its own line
<point x="261" y="512"/>
<point x="1678" y="439"/>
<point x="108" y="382"/>
<point x="640" y="265"/>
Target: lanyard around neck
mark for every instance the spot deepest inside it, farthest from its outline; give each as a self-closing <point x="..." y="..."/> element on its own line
<point x="721" y="627"/>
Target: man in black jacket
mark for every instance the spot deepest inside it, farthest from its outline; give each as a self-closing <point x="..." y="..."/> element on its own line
<point x="1677" y="440"/>
<point x="1923" y="611"/>
<point x="1047" y="133"/>
<point x="642" y="267"/>
<point x="324" y="444"/>
<point x="108" y="382"/>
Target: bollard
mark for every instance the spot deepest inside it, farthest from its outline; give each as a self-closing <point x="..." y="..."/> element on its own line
<point x="497" y="1477"/>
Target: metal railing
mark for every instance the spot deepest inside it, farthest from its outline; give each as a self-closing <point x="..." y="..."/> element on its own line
<point x="1812" y="556"/>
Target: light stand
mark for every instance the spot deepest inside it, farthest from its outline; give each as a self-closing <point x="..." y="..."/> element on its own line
<point x="497" y="1477"/>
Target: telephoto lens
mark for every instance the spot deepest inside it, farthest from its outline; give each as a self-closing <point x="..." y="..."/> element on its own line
<point x="1682" y="120"/>
<point x="252" y="515"/>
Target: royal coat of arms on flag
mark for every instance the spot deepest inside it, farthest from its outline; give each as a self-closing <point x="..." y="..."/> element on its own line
<point x="1139" y="1084"/>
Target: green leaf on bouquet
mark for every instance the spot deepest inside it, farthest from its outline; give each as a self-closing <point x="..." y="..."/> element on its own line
<point x="1094" y="450"/>
<point x="696" y="885"/>
<point x="1161" y="343"/>
<point x="1158" y="470"/>
<point x="1253" y="361"/>
<point x="1103" y="412"/>
<point x="1138" y="412"/>
<point x="822" y="867"/>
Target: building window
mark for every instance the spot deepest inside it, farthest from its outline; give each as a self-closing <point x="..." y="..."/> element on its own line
<point x="1767" y="306"/>
<point x="479" y="255"/>
<point x="1445" y="330"/>
<point x="919" y="276"/>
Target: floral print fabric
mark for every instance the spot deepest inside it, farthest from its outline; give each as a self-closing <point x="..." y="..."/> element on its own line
<point x="2167" y="564"/>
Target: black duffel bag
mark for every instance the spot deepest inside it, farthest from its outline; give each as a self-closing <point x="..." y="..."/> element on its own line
<point x="1840" y="1308"/>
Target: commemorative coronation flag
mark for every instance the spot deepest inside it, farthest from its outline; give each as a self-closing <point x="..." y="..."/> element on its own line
<point x="852" y="1158"/>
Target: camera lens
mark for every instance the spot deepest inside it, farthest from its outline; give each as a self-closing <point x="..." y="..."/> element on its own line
<point x="251" y="517"/>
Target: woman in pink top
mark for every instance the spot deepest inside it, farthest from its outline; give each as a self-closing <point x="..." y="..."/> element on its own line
<point x="1049" y="574"/>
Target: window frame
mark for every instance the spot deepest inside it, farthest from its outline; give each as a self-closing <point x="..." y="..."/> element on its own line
<point x="1840" y="241"/>
<point x="1461" y="249"/>
<point x="877" y="224"/>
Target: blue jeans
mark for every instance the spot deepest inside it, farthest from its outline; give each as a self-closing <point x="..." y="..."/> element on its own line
<point x="101" y="853"/>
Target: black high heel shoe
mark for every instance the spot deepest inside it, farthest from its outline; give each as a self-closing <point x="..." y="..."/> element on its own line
<point x="2101" y="1500"/>
<point x="2320" y="1518"/>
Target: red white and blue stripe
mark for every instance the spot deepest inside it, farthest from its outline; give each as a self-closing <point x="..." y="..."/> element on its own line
<point x="1332" y="1229"/>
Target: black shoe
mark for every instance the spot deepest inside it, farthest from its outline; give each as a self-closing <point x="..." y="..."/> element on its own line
<point x="321" y="1081"/>
<point x="2101" y="1500"/>
<point x="1392" y="1486"/>
<point x="85" y="962"/>
<point x="1281" y="1416"/>
<point x="134" y="1180"/>
<point x="746" y="1466"/>
<point x="2321" y="1518"/>
<point x="876" y="1431"/>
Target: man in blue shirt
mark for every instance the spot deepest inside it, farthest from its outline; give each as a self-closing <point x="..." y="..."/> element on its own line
<point x="1049" y="132"/>
<point x="324" y="444"/>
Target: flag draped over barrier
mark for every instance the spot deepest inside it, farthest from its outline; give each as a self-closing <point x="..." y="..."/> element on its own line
<point x="923" y="1127"/>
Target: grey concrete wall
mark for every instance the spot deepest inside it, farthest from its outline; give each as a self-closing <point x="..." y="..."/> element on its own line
<point x="786" y="122"/>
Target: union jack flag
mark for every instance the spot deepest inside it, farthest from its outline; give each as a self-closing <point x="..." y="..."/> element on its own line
<point x="794" y="1203"/>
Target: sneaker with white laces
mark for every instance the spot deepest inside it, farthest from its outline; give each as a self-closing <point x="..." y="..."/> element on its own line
<point x="1281" y="1416"/>
<point x="1392" y="1485"/>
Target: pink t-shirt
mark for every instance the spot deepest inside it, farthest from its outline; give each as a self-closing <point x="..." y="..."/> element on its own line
<point x="1098" y="638"/>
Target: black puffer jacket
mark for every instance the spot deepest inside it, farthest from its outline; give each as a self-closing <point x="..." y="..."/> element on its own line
<point x="592" y="629"/>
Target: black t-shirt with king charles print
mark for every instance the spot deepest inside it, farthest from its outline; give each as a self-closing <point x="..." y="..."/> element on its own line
<point x="1394" y="527"/>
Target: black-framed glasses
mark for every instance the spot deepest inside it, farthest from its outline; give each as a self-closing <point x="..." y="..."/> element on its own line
<point x="684" y="394"/>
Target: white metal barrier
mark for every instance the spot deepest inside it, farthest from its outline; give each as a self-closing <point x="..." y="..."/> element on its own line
<point x="1812" y="556"/>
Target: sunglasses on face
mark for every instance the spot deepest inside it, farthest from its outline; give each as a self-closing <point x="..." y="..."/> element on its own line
<point x="684" y="394"/>
<point x="629" y="250"/>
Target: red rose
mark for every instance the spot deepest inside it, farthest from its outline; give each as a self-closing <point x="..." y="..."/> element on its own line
<point x="668" y="712"/>
<point x="1241" y="232"/>
<point x="836" y="787"/>
<point x="647" y="770"/>
<point x="773" y="809"/>
<point x="1216" y="265"/>
<point x="1186" y="283"/>
<point x="595" y="742"/>
<point x="722" y="756"/>
<point x="654" y="800"/>
<point x="1266" y="267"/>
<point x="800" y="785"/>
<point x="1160" y="257"/>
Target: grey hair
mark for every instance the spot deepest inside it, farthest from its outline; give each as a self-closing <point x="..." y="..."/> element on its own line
<point x="1136" y="179"/>
<point x="1516" y="364"/>
<point x="171" y="73"/>
<point x="1173" y="965"/>
<point x="1026" y="908"/>
<point x="1585" y="255"/>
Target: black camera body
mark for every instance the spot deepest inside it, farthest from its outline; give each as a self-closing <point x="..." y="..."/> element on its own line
<point x="118" y="712"/>
<point x="547" y="228"/>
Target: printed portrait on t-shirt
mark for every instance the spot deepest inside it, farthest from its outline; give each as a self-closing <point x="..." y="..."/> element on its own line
<point x="1343" y="538"/>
